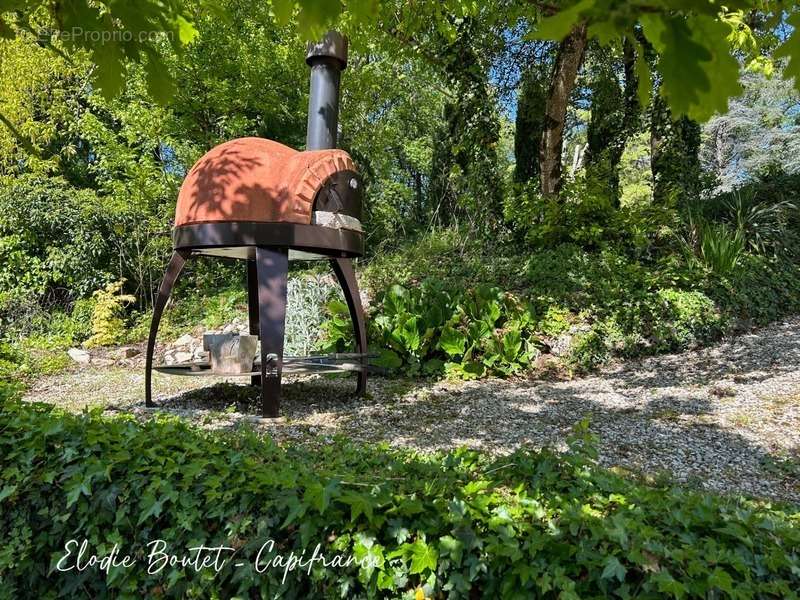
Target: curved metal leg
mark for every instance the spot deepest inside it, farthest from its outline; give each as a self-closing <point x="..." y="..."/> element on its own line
<point x="252" y="308"/>
<point x="343" y="268"/>
<point x="272" y="269"/>
<point x="170" y="276"/>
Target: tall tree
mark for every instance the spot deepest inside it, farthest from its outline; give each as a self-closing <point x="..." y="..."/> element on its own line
<point x="569" y="59"/>
<point x="530" y="123"/>
<point x="614" y="115"/>
<point x="467" y="141"/>
<point x="759" y="134"/>
<point x="675" y="154"/>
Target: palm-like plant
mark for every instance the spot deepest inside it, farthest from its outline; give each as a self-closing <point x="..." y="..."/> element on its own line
<point x="721" y="247"/>
<point x="762" y="224"/>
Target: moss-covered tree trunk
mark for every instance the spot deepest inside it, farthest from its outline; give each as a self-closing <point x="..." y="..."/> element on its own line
<point x="465" y="179"/>
<point x="674" y="154"/>
<point x="614" y="117"/>
<point x="530" y="124"/>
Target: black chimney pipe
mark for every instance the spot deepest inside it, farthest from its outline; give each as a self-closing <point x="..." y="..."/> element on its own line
<point x="327" y="59"/>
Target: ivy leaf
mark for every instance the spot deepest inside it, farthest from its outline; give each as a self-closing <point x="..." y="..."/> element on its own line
<point x="320" y="497"/>
<point x="153" y="510"/>
<point x="613" y="569"/>
<point x="423" y="557"/>
<point x="7" y="491"/>
<point x="667" y="584"/>
<point x="297" y="509"/>
<point x="721" y="579"/>
<point x="359" y="505"/>
<point x="452" y="547"/>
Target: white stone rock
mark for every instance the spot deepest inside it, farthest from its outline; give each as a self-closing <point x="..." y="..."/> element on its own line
<point x="79" y="356"/>
<point x="183" y="357"/>
<point x="185" y="340"/>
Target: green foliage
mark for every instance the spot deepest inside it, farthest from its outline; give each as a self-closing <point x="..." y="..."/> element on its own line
<point x="762" y="225"/>
<point x="51" y="237"/>
<point x="634" y="296"/>
<point x="108" y="327"/>
<point x="10" y="360"/>
<point x="720" y="247"/>
<point x="675" y="144"/>
<point x="111" y="33"/>
<point x="585" y="214"/>
<point x="428" y="329"/>
<point x="760" y="290"/>
<point x="720" y="229"/>
<point x="461" y="524"/>
<point x="694" y="44"/>
<point x="466" y="185"/>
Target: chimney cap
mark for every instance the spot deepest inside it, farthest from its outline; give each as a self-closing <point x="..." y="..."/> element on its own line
<point x="332" y="45"/>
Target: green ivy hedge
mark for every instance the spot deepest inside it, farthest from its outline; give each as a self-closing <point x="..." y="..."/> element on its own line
<point x="456" y="525"/>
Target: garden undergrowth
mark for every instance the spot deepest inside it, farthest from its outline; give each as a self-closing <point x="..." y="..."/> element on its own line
<point x="459" y="524"/>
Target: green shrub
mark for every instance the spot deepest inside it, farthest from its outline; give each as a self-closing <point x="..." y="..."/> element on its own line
<point x="589" y="350"/>
<point x="429" y="329"/>
<point x="721" y="247"/>
<point x="761" y="290"/>
<point x="189" y="309"/>
<point x="108" y="326"/>
<point x="532" y="524"/>
<point x="11" y="359"/>
<point x="582" y="215"/>
<point x="631" y="306"/>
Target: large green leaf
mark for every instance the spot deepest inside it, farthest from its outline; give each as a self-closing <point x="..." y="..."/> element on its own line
<point x="698" y="72"/>
<point x="560" y="24"/>
<point x="408" y="333"/>
<point x="452" y="341"/>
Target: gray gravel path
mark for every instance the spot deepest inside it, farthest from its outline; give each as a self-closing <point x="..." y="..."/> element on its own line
<point x="724" y="418"/>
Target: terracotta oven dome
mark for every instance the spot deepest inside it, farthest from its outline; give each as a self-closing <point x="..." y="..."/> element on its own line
<point x="259" y="180"/>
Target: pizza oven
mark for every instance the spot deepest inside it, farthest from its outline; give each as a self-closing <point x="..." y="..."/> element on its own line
<point x="264" y="203"/>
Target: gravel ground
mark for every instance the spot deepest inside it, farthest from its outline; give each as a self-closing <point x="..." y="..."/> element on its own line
<point x="724" y="418"/>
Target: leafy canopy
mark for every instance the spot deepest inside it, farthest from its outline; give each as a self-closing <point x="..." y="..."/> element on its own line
<point x="697" y="42"/>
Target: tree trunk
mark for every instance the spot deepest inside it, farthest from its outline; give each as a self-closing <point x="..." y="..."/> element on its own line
<point x="530" y="123"/>
<point x="568" y="62"/>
